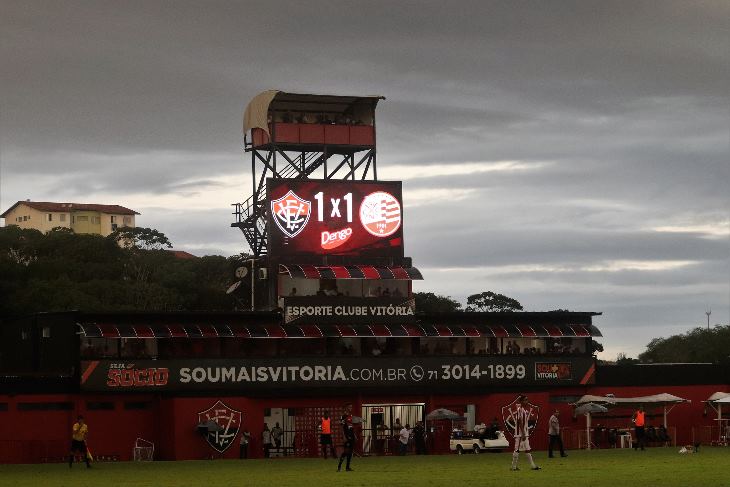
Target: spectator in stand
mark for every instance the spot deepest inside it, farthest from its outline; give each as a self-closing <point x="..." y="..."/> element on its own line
<point x="508" y="351"/>
<point x="403" y="436"/>
<point x="515" y="348"/>
<point x="386" y="293"/>
<point x="293" y="292"/>
<point x="266" y="440"/>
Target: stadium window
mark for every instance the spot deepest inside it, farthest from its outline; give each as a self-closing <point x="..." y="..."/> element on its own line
<point x="24" y="335"/>
<point x="114" y="218"/>
<point x="25" y="218"/>
<point x="100" y="406"/>
<point x="50" y="217"/>
<point x="3" y="406"/>
<point x="137" y="405"/>
<point x="46" y="332"/>
<point x="62" y="217"/>
<point x="45" y="406"/>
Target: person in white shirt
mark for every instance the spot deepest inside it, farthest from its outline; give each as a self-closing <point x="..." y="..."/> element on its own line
<point x="522" y="433"/>
<point x="403" y="437"/>
<point x="554" y="433"/>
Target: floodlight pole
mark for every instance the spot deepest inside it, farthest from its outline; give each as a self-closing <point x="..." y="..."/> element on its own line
<point x="708" y="313"/>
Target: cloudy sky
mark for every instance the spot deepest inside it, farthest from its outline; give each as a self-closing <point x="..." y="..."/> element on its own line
<point x="571" y="155"/>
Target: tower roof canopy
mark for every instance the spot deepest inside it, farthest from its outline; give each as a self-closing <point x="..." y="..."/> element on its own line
<point x="257" y="110"/>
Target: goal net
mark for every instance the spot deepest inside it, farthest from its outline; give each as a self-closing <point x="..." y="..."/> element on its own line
<point x="143" y="451"/>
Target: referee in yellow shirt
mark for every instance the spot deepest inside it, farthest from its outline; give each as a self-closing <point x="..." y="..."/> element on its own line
<point x="78" y="441"/>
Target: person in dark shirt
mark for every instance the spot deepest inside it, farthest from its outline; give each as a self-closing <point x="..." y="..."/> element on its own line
<point x="419" y="438"/>
<point x="349" y="433"/>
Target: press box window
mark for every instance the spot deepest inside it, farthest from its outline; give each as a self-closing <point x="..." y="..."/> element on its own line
<point x="45" y="406"/>
<point x="100" y="406"/>
<point x="134" y="405"/>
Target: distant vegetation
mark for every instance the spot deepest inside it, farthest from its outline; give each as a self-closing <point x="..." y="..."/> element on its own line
<point x="61" y="271"/>
<point x="698" y="345"/>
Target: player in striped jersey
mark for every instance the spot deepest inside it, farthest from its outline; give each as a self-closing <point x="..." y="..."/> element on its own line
<point x="522" y="433"/>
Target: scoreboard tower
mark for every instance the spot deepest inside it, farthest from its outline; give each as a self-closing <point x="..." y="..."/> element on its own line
<point x="316" y="201"/>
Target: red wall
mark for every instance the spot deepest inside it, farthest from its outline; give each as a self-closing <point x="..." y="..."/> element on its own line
<point x="35" y="436"/>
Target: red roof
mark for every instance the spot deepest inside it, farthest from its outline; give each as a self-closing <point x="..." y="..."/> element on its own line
<point x="69" y="207"/>
<point x="181" y="254"/>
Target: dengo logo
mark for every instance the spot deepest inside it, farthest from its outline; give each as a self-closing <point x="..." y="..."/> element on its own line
<point x="220" y="424"/>
<point x="553" y="370"/>
<point x="291" y="213"/>
<point x="126" y="375"/>
<point x="380" y="214"/>
<point x="331" y="240"/>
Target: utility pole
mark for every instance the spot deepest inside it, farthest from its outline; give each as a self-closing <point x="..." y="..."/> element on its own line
<point x="708" y="313"/>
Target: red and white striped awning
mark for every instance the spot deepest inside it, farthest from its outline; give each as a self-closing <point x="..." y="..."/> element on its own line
<point x="216" y="330"/>
<point x="350" y="272"/>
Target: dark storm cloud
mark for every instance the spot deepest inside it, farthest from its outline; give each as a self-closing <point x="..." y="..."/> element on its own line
<point x="616" y="114"/>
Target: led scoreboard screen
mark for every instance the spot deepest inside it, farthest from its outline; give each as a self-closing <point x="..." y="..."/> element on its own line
<point x="344" y="218"/>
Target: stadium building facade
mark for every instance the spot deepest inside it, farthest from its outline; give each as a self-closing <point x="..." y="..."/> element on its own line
<point x="332" y="321"/>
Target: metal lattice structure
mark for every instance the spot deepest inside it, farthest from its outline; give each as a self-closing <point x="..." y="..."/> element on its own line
<point x="298" y="136"/>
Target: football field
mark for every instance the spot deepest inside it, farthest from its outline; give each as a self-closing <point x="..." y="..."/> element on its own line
<point x="656" y="467"/>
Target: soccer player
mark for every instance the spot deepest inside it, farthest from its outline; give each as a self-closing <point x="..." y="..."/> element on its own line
<point x="522" y="434"/>
<point x="78" y="441"/>
<point x="325" y="437"/>
<point x="349" y="432"/>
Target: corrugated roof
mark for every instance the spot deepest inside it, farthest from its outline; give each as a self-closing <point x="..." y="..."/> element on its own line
<point x="69" y="207"/>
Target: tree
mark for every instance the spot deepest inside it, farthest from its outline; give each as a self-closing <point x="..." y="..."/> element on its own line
<point x="141" y="238"/>
<point x="697" y="345"/>
<point x="435" y="303"/>
<point x="622" y="359"/>
<point x="489" y="301"/>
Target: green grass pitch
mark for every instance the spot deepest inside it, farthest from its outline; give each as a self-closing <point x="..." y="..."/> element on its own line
<point x="656" y="467"/>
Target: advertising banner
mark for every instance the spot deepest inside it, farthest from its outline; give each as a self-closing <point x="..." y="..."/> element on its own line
<point x="348" y="310"/>
<point x="334" y="218"/>
<point x="296" y="375"/>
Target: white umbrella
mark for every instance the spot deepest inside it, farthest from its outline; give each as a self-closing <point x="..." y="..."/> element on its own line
<point x="443" y="413"/>
<point x="588" y="409"/>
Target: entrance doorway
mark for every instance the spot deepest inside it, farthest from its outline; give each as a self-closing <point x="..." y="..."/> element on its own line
<point x="379" y="429"/>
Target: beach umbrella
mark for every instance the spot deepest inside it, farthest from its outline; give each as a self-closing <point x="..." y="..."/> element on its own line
<point x="443" y="413"/>
<point x="588" y="409"/>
